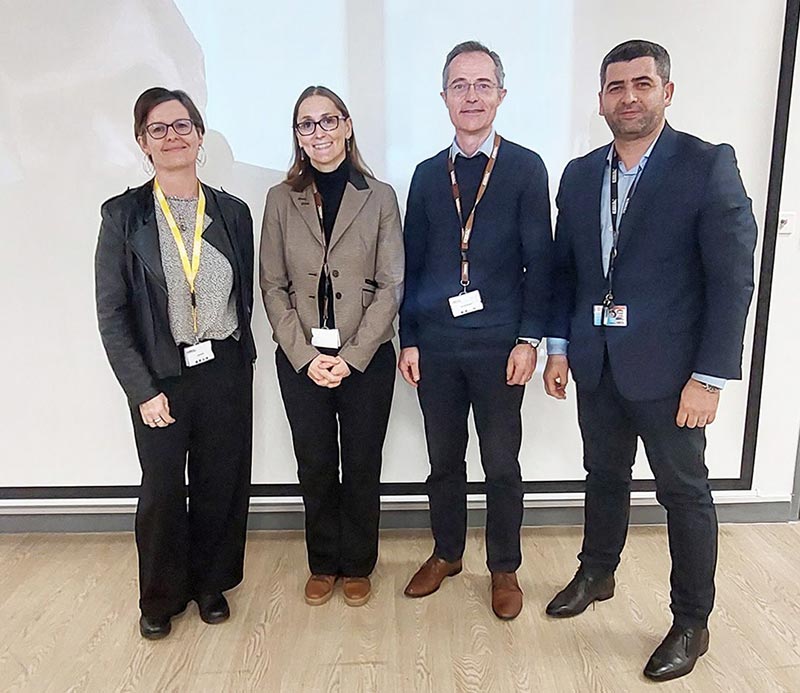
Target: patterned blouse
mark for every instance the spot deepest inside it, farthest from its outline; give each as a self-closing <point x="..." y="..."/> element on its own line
<point x="216" y="302"/>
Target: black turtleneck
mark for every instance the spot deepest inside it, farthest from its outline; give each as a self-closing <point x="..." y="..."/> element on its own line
<point x="331" y="187"/>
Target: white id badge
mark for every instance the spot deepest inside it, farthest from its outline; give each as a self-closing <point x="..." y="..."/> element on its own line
<point x="198" y="353"/>
<point x="615" y="316"/>
<point x="462" y="304"/>
<point x="325" y="338"/>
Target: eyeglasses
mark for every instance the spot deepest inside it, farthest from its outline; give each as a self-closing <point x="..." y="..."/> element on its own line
<point x="158" y="131"/>
<point x="327" y="123"/>
<point x="461" y="87"/>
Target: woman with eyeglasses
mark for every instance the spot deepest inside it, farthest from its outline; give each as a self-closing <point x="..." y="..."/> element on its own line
<point x="331" y="277"/>
<point x="174" y="290"/>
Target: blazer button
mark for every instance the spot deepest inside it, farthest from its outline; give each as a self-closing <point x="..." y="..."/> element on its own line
<point x="338" y="294"/>
<point x="335" y="273"/>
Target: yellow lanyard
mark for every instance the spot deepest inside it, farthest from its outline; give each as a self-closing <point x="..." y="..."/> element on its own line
<point x="190" y="269"/>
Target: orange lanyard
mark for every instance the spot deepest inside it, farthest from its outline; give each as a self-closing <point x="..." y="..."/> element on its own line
<point x="466" y="227"/>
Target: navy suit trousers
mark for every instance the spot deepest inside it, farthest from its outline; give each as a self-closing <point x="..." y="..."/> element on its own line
<point x="610" y="426"/>
<point x="452" y="382"/>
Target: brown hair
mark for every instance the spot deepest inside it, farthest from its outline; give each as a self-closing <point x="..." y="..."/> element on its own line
<point x="150" y="98"/>
<point x="299" y="174"/>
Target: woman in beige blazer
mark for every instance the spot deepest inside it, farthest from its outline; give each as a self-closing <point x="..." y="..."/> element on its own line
<point x="331" y="278"/>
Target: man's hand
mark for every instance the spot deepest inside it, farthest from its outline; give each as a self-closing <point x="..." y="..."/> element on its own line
<point x="556" y="376"/>
<point x="521" y="364"/>
<point x="408" y="364"/>
<point x="698" y="407"/>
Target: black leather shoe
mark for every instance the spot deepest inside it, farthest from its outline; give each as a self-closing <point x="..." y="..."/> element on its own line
<point x="154" y="627"/>
<point x="677" y="654"/>
<point x="579" y="593"/>
<point x="213" y="607"/>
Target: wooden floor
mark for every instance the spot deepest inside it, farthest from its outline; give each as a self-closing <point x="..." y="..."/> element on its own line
<point x="68" y="619"/>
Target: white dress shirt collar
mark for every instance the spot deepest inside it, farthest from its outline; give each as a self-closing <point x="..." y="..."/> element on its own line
<point x="485" y="148"/>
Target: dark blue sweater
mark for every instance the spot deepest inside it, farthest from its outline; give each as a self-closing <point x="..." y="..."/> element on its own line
<point x="509" y="254"/>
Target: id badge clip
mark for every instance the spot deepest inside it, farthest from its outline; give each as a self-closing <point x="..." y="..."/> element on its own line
<point x="465" y="303"/>
<point x="198" y="353"/>
<point x="325" y="338"/>
<point x="611" y="316"/>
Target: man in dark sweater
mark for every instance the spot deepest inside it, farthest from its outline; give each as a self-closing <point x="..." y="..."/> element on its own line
<point x="478" y="252"/>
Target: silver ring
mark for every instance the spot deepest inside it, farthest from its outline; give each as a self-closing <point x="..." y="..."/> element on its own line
<point x="157" y="419"/>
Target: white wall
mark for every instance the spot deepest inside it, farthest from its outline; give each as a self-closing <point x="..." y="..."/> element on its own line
<point x="69" y="74"/>
<point x="779" y="427"/>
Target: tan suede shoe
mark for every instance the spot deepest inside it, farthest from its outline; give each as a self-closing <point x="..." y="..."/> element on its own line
<point x="356" y="590"/>
<point x="319" y="589"/>
<point x="506" y="596"/>
<point x="430" y="576"/>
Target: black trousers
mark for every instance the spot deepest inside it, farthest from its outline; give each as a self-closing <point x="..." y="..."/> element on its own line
<point x="450" y="383"/>
<point x="347" y="422"/>
<point x="610" y="426"/>
<point x="185" y="552"/>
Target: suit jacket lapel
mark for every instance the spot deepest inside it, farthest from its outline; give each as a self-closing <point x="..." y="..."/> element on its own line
<point x="594" y="205"/>
<point x="653" y="175"/>
<point x="352" y="202"/>
<point x="143" y="235"/>
<point x="304" y="202"/>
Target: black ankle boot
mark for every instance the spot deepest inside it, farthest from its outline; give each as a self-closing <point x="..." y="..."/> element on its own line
<point x="579" y="593"/>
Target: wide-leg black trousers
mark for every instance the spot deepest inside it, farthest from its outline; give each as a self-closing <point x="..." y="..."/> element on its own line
<point x="188" y="549"/>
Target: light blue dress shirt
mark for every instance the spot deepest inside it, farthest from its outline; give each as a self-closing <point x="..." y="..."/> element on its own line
<point x="485" y="148"/>
<point x="627" y="178"/>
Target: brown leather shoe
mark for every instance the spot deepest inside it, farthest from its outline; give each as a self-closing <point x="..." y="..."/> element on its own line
<point x="319" y="589"/>
<point x="506" y="596"/>
<point x="356" y="590"/>
<point x="429" y="577"/>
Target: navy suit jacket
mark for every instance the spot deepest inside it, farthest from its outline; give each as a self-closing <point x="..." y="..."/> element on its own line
<point x="684" y="269"/>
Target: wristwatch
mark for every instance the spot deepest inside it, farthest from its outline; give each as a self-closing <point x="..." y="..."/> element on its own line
<point x="530" y="342"/>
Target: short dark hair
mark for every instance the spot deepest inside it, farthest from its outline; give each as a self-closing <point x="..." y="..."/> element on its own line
<point x="637" y="48"/>
<point x="150" y="98"/>
<point x="474" y="47"/>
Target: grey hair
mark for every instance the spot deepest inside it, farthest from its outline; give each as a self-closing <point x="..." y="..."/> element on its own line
<point x="474" y="47"/>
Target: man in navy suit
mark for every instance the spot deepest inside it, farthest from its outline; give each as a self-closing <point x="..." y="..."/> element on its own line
<point x="652" y="283"/>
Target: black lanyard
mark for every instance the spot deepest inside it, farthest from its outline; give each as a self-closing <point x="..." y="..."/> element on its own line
<point x="616" y="218"/>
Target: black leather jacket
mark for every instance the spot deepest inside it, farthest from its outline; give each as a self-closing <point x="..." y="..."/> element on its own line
<point x="131" y="291"/>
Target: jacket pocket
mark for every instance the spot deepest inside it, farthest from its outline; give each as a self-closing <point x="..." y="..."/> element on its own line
<point x="367" y="295"/>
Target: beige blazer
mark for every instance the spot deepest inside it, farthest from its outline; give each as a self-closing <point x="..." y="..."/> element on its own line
<point x="366" y="262"/>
